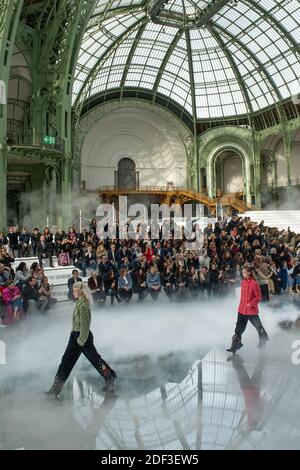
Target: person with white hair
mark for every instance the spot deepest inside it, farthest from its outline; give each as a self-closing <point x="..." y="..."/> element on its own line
<point x="81" y="341"/>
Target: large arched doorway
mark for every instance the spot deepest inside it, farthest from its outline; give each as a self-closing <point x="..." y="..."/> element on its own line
<point x="126" y="174"/>
<point x="233" y="174"/>
<point x="229" y="174"/>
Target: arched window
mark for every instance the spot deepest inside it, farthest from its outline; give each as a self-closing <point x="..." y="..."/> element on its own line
<point x="127" y="177"/>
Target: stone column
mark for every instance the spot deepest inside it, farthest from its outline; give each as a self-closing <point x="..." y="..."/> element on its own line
<point x="3" y="184"/>
<point x="287" y="141"/>
<point x="46" y="199"/>
<point x="210" y="178"/>
<point x="53" y="195"/>
<point x="257" y="171"/>
<point x="9" y="19"/>
<point x="66" y="193"/>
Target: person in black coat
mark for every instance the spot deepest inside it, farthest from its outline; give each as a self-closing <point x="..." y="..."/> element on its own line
<point x="44" y="250"/>
<point x="3" y="240"/>
<point x="48" y="236"/>
<point x="89" y="260"/>
<point x="5" y="258"/>
<point x="30" y="293"/>
<point x="104" y="266"/>
<point x="214" y="279"/>
<point x="139" y="282"/>
<point x="121" y="254"/>
<point x="181" y="284"/>
<point x="35" y="238"/>
<point x="58" y="239"/>
<point x="205" y="281"/>
<point x="193" y="282"/>
<point x="168" y="280"/>
<point x="111" y="286"/>
<point x="24" y="242"/>
<point x="71" y="282"/>
<point x="13" y="235"/>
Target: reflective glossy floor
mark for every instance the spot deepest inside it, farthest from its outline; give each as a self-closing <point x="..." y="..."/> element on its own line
<point x="176" y="387"/>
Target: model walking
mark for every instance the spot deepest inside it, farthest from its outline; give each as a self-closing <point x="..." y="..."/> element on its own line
<point x="81" y="341"/>
<point x="248" y="310"/>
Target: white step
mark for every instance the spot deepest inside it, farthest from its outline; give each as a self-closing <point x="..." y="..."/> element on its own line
<point x="281" y="219"/>
<point x="60" y="293"/>
<point x="57" y="276"/>
<point x="34" y="259"/>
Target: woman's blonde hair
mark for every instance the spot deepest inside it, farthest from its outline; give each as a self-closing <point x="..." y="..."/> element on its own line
<point x="85" y="291"/>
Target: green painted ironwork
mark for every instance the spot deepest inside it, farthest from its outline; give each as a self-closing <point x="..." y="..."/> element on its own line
<point x="50" y="34"/>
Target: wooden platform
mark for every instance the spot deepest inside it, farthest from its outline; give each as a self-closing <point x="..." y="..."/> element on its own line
<point x="178" y="195"/>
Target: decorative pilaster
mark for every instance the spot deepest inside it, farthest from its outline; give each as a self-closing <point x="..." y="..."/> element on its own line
<point x="287" y="143"/>
<point x="191" y="150"/>
<point x="257" y="170"/>
<point x="65" y="212"/>
<point x="9" y="18"/>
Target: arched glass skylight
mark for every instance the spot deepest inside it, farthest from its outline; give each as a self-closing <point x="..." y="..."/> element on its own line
<point x="245" y="58"/>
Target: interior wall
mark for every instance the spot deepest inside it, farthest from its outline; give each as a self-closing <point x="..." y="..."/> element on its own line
<point x="266" y="170"/>
<point x="295" y="158"/>
<point x="233" y="175"/>
<point x="140" y="134"/>
<point x="281" y="166"/>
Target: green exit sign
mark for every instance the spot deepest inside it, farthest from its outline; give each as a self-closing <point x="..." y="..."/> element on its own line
<point x="49" y="140"/>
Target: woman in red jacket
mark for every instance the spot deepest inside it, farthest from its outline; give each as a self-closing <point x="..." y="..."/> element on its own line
<point x="248" y="310"/>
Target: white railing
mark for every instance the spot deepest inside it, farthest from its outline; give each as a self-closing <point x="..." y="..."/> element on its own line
<point x="144" y="188"/>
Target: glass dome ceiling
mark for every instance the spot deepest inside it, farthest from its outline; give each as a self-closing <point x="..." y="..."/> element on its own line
<point x="214" y="58"/>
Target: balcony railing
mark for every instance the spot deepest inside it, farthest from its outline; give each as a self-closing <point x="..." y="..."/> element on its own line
<point x="283" y="183"/>
<point x="34" y="139"/>
<point x="142" y="188"/>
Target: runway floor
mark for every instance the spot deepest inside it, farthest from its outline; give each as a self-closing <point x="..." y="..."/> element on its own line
<point x="176" y="387"/>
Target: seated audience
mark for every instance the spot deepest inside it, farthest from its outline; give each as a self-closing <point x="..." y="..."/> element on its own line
<point x="97" y="289"/>
<point x="32" y="299"/>
<point x="75" y="278"/>
<point x="124" y="285"/>
<point x="12" y="299"/>
<point x="153" y="282"/>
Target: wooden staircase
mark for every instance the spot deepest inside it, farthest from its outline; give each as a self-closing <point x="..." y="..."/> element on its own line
<point x="178" y="195"/>
<point x="234" y="201"/>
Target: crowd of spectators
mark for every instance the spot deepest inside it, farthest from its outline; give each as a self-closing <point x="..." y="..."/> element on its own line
<point x="120" y="267"/>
